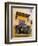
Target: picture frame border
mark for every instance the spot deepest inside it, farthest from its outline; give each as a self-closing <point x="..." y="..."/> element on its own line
<point x="7" y="34"/>
<point x="12" y="13"/>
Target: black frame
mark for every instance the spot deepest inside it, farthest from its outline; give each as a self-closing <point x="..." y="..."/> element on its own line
<point x="7" y="12"/>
